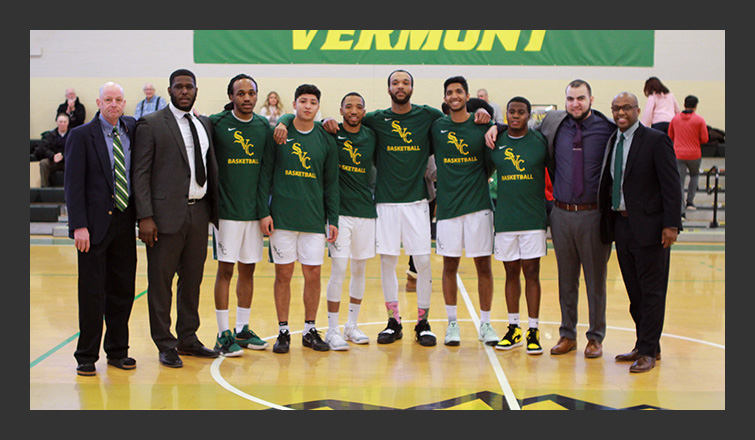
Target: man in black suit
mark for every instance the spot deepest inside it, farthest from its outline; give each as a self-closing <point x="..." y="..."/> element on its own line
<point x="175" y="190"/>
<point x="642" y="213"/>
<point x="101" y="221"/>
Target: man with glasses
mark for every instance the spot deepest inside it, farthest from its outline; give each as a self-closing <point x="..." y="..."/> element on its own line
<point x="640" y="206"/>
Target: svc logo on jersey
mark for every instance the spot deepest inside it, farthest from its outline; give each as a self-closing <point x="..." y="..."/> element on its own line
<point x="403" y="132"/>
<point x="353" y="152"/>
<point x="303" y="158"/>
<point x="459" y="144"/>
<point x="245" y="144"/>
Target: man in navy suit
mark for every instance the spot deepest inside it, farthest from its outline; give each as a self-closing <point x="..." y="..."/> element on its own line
<point x="101" y="220"/>
<point x="642" y="213"/>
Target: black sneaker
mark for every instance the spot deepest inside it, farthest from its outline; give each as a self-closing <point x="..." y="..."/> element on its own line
<point x="313" y="340"/>
<point x="424" y="336"/>
<point x="283" y="342"/>
<point x="391" y="333"/>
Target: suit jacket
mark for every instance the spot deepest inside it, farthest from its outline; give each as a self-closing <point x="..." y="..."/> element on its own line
<point x="88" y="182"/>
<point x="652" y="193"/>
<point x="161" y="172"/>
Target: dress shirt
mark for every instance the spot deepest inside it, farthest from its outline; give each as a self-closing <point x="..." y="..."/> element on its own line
<point x="595" y="134"/>
<point x="628" y="136"/>
<point x="107" y="130"/>
<point x="195" y="191"/>
<point x="146" y="106"/>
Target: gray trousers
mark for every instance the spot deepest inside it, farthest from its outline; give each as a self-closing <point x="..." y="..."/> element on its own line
<point x="577" y="243"/>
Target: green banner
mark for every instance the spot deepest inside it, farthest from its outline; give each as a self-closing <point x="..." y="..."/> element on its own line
<point x="633" y="48"/>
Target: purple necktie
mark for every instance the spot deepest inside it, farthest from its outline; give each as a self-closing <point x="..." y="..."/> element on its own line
<point x="577" y="177"/>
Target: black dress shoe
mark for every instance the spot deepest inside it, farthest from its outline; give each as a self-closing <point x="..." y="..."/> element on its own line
<point x="170" y="358"/>
<point x="86" y="369"/>
<point x="126" y="363"/>
<point x="198" y="350"/>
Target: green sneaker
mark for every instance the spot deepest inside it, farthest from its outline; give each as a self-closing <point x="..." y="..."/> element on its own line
<point x="512" y="339"/>
<point x="533" y="342"/>
<point x="227" y="346"/>
<point x="248" y="339"/>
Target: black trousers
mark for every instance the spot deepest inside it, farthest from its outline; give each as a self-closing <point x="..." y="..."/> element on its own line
<point x="183" y="253"/>
<point x="645" y="270"/>
<point x="107" y="275"/>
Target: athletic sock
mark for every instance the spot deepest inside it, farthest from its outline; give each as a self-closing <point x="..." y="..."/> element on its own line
<point x="242" y="318"/>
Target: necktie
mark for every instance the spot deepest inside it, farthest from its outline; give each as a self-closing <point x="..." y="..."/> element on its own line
<point x="198" y="162"/>
<point x="577" y="163"/>
<point x="119" y="166"/>
<point x="617" y="169"/>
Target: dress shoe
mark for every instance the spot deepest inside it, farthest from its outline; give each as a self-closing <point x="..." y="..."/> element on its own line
<point x="198" y="350"/>
<point x="594" y="349"/>
<point x="170" y="358"/>
<point x="411" y="283"/>
<point x="125" y="363"/>
<point x="633" y="356"/>
<point x="564" y="346"/>
<point x="86" y="369"/>
<point x="643" y="364"/>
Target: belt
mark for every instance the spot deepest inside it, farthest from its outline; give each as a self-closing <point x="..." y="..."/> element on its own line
<point x="194" y="201"/>
<point x="573" y="207"/>
<point x="622" y="213"/>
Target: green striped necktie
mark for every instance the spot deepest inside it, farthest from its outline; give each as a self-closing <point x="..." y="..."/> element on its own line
<point x="617" y="170"/>
<point x="121" y="185"/>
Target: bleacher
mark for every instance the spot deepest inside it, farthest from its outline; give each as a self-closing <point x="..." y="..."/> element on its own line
<point x="47" y="206"/>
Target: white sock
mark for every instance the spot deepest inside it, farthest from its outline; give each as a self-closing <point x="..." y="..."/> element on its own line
<point x="222" y="317"/>
<point x="534" y="322"/>
<point x="514" y="319"/>
<point x="353" y="313"/>
<point x="451" y="312"/>
<point x="308" y="326"/>
<point x="484" y="316"/>
<point x="242" y="318"/>
<point x="333" y="321"/>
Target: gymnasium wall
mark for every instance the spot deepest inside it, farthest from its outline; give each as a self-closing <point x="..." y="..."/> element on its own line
<point x="687" y="61"/>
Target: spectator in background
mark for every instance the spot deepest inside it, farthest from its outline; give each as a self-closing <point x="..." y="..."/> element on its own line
<point x="50" y="151"/>
<point x="497" y="112"/>
<point x="688" y="131"/>
<point x="73" y="108"/>
<point x="151" y="102"/>
<point x="661" y="106"/>
<point x="273" y="108"/>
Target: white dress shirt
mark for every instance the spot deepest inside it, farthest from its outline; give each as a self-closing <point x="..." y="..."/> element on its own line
<point x="195" y="191"/>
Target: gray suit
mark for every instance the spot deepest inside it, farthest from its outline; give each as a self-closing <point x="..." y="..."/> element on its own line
<point x="161" y="178"/>
<point x="576" y="236"/>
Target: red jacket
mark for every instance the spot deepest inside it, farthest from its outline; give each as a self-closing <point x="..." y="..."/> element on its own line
<point x="688" y="130"/>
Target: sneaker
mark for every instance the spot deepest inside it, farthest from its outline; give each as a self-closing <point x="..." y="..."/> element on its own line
<point x="246" y="338"/>
<point x="487" y="335"/>
<point x="453" y="338"/>
<point x="512" y="339"/>
<point x="226" y="345"/>
<point x="391" y="333"/>
<point x="533" y="342"/>
<point x="353" y="334"/>
<point x="313" y="340"/>
<point x="283" y="342"/>
<point x="335" y="340"/>
<point x="423" y="335"/>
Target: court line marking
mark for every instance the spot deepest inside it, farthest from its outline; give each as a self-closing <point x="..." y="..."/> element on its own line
<point x="215" y="372"/>
<point x="489" y="351"/>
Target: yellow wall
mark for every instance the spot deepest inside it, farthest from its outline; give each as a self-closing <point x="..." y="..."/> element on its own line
<point x="45" y="94"/>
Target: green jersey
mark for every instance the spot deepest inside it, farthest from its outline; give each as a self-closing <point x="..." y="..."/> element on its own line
<point x="462" y="176"/>
<point x="301" y="177"/>
<point x="402" y="153"/>
<point x="356" y="157"/>
<point x="239" y="148"/>
<point x="520" y="164"/>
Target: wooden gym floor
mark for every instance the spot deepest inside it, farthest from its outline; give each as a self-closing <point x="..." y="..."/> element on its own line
<point x="404" y="375"/>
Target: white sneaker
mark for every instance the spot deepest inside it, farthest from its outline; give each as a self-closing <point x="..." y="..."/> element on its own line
<point x="353" y="334"/>
<point x="453" y="337"/>
<point x="487" y="334"/>
<point x="335" y="341"/>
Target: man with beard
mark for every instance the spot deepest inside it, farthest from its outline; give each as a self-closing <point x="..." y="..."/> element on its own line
<point x="176" y="192"/>
<point x="577" y="139"/>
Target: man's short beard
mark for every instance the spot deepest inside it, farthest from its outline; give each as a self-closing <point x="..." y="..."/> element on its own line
<point x="407" y="98"/>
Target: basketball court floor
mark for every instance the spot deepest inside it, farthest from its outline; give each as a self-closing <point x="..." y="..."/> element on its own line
<point x="403" y="375"/>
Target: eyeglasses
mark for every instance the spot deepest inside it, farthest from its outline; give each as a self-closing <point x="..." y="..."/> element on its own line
<point x="626" y="108"/>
